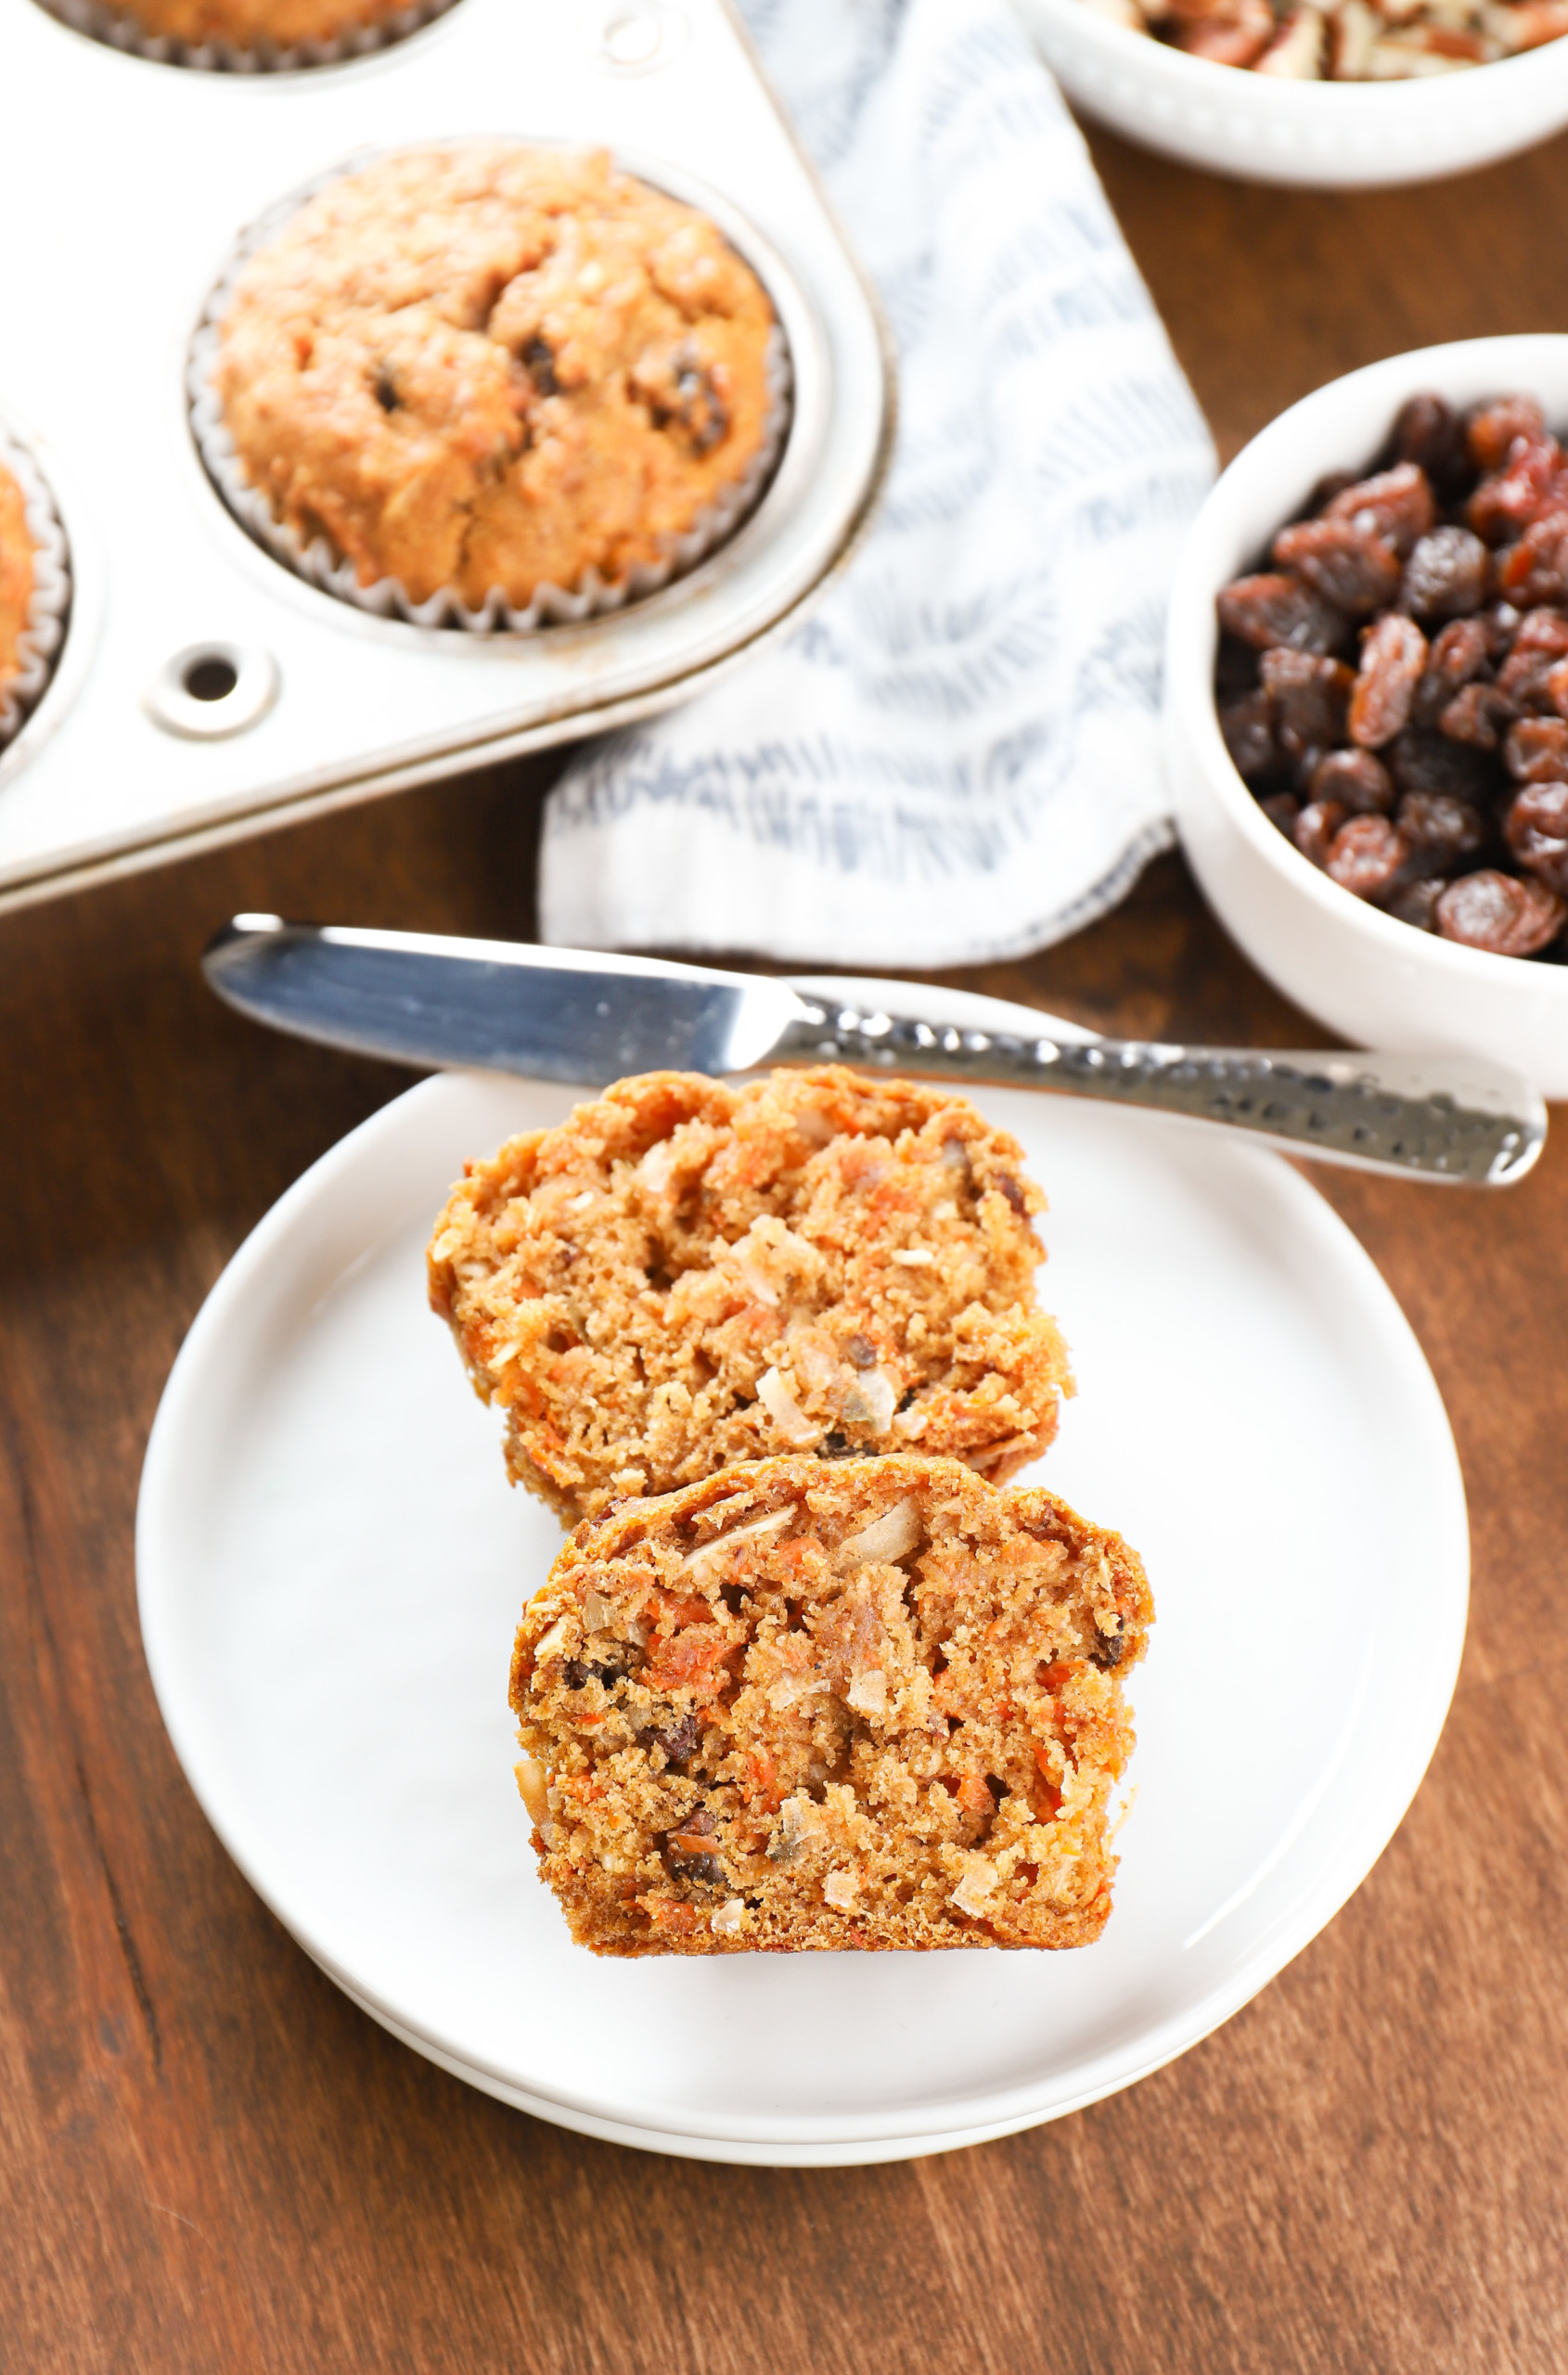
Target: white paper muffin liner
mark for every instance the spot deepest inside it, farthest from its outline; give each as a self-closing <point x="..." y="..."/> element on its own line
<point x="43" y="638"/>
<point x="120" y="32"/>
<point x="321" y="564"/>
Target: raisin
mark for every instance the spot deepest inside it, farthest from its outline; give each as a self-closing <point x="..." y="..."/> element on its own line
<point x="1248" y="727"/>
<point x="1396" y="504"/>
<point x="1349" y="565"/>
<point x="1542" y="641"/>
<point x="1359" y="782"/>
<point x="1537" y="834"/>
<point x="1543" y="630"/>
<point x="1368" y="856"/>
<point x="1491" y="427"/>
<point x="1273" y="609"/>
<point x="1504" y="505"/>
<point x="1333" y="483"/>
<point x="1314" y="829"/>
<point x="1311" y="697"/>
<point x="707" y="1870"/>
<point x="1420" y="760"/>
<point x="1417" y="902"/>
<point x="540" y="361"/>
<point x="385" y="390"/>
<point x="1500" y="914"/>
<point x="1429" y="431"/>
<point x="1235" y="667"/>
<point x="1499" y="622"/>
<point x="1536" y="568"/>
<point x="1281" y="809"/>
<point x="1537" y="750"/>
<point x="1109" y="1650"/>
<point x="1458" y="654"/>
<point x="677" y="1739"/>
<point x="681" y="396"/>
<point x="576" y="1673"/>
<point x="1479" y="715"/>
<point x="1440" y="829"/>
<point x="861" y="1353"/>
<point x="1445" y="575"/>
<point x="1008" y="1188"/>
<point x="1392" y="657"/>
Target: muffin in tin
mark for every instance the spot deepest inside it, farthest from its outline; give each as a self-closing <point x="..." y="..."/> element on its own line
<point x="247" y="36"/>
<point x="492" y="368"/>
<point x="18" y="577"/>
<point x="253" y="25"/>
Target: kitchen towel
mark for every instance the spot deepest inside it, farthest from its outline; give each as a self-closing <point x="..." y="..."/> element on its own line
<point x="955" y="757"/>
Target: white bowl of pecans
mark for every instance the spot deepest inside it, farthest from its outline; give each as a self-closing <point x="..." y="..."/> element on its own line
<point x="1339" y="93"/>
<point x="1365" y="718"/>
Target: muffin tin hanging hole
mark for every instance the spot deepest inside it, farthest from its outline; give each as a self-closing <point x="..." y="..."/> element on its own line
<point x="639" y="36"/>
<point x="209" y="690"/>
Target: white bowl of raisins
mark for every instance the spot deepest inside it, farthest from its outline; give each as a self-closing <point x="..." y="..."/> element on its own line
<point x="1288" y="117"/>
<point x="1366" y="716"/>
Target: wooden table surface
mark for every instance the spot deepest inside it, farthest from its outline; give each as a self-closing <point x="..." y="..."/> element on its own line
<point x="209" y="2160"/>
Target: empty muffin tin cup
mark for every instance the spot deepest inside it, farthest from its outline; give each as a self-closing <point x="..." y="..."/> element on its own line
<point x="43" y="638"/>
<point x="119" y="31"/>
<point x="321" y="564"/>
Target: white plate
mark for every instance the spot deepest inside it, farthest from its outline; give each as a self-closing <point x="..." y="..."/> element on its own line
<point x="332" y="1566"/>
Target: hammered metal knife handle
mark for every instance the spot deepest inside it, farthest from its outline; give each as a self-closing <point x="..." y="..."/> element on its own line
<point x="1454" y="1118"/>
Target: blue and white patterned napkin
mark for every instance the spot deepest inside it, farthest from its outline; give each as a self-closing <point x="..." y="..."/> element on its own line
<point x="955" y="757"/>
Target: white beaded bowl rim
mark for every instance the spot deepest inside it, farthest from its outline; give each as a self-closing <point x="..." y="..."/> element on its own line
<point x="1312" y="133"/>
<point x="1265" y="485"/>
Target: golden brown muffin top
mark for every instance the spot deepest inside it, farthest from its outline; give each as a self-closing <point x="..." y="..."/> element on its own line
<point x="15" y="574"/>
<point x="496" y="367"/>
<point x="255" y="24"/>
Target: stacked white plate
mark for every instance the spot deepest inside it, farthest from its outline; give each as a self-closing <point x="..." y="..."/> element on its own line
<point x="332" y="1566"/>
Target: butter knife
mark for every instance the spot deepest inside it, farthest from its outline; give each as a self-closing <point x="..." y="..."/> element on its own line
<point x="586" y="1017"/>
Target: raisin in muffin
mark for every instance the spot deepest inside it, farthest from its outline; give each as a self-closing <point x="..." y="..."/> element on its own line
<point x="255" y="24"/>
<point x="492" y="368"/>
<point x="686" y="1273"/>
<point x="16" y="577"/>
<point x="872" y="1705"/>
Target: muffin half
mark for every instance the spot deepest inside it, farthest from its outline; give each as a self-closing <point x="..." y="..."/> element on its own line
<point x="684" y="1274"/>
<point x="803" y="1706"/>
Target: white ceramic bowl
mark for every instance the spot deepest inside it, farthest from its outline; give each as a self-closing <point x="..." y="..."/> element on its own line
<point x="1328" y="136"/>
<point x="1378" y="982"/>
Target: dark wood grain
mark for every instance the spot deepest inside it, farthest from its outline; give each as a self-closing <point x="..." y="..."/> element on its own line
<point x="210" y="2160"/>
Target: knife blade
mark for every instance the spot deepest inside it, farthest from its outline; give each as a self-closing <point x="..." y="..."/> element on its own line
<point x="587" y="1018"/>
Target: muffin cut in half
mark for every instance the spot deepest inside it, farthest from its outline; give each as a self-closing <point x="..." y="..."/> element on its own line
<point x="684" y="1274"/>
<point x="16" y="576"/>
<point x="874" y="1704"/>
<point x="492" y="368"/>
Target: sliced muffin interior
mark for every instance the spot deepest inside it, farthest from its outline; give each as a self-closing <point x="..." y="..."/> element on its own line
<point x="874" y="1703"/>
<point x="687" y="1273"/>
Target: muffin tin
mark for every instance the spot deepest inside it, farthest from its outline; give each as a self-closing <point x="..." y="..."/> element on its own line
<point x="205" y="691"/>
